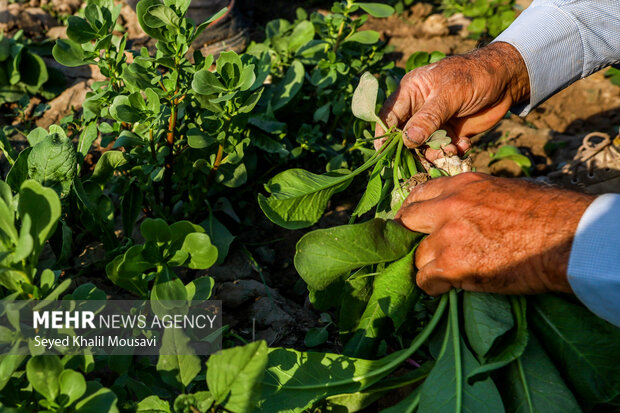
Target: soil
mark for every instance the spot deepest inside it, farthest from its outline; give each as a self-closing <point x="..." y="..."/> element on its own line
<point x="260" y="288"/>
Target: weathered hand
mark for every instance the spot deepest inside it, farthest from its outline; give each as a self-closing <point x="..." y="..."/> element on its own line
<point x="492" y="234"/>
<point x="465" y="95"/>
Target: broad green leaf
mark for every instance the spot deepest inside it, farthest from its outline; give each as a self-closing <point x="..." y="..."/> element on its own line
<point x="302" y="34"/>
<point x="109" y="162"/>
<point x="159" y="15"/>
<point x="487" y="317"/>
<point x="72" y="387"/>
<point x="513" y="344"/>
<point x="392" y="298"/>
<point x="354" y="295"/>
<point x="36" y="135"/>
<point x="102" y="400"/>
<point x="202" y="253"/>
<point x="43" y="373"/>
<point x="79" y="30"/>
<point x="229" y="66"/>
<point x="126" y="270"/>
<point x="69" y="53"/>
<point x="372" y="194"/>
<point x="177" y="362"/>
<point x="220" y="236"/>
<point x="9" y="363"/>
<point x="289" y="86"/>
<point x="417" y="59"/>
<point x="377" y="9"/>
<point x="514" y="154"/>
<point x="200" y="289"/>
<point x="364" y="37"/>
<point x="136" y="77"/>
<point x="446" y="390"/>
<point x="357" y="401"/>
<point x="18" y="173"/>
<point x="365" y="98"/>
<point x="123" y="111"/>
<point x="153" y="404"/>
<point x="33" y="71"/>
<point x="325" y="255"/>
<point x="198" y="139"/>
<point x="128" y="140"/>
<point x="153" y="102"/>
<point x="156" y="230"/>
<point x="532" y="384"/>
<point x="53" y="163"/>
<point x="234" y="376"/>
<point x="246" y="80"/>
<point x="206" y="83"/>
<point x="295" y="380"/>
<point x="42" y="206"/>
<point x="316" y="336"/>
<point x="299" y="198"/>
<point x="585" y="348"/>
<point x="88" y="136"/>
<point x="438" y="139"/>
<point x="131" y="205"/>
<point x="168" y="287"/>
<point x="141" y="10"/>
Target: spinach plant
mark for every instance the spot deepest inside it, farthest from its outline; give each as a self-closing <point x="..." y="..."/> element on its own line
<point x="322" y="57"/>
<point x="480" y="352"/>
<point x="28" y="220"/>
<point x="179" y="129"/>
<point x="23" y="71"/>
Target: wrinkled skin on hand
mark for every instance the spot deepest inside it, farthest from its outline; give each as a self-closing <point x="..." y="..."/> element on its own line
<point x="465" y="95"/>
<point x="492" y="234"/>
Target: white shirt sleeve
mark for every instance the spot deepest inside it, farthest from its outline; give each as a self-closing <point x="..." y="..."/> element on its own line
<point x="594" y="264"/>
<point x="562" y="41"/>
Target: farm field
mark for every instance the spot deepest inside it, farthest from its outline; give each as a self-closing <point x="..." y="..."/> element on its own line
<point x="140" y="165"/>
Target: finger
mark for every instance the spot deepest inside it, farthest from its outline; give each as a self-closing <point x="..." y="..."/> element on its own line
<point x="433" y="113"/>
<point x="395" y="111"/>
<point x="427" y="251"/>
<point x="463" y="144"/>
<point x="428" y="190"/>
<point x="422" y="217"/>
<point x="430" y="279"/>
<point x="434" y="154"/>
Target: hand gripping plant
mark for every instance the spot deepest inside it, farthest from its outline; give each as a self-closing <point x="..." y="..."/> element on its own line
<point x="478" y="352"/>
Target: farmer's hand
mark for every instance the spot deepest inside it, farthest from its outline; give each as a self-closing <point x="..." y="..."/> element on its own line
<point x="465" y="95"/>
<point x="492" y="234"/>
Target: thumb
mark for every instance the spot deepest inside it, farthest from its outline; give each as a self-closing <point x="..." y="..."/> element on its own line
<point x="427" y="120"/>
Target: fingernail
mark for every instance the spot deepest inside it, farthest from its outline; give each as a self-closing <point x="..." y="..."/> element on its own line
<point x="413" y="138"/>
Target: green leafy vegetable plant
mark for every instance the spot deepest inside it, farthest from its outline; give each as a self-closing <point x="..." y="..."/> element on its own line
<point x="315" y="62"/>
<point x="479" y="350"/>
<point x="23" y="71"/>
<point x="27" y="221"/>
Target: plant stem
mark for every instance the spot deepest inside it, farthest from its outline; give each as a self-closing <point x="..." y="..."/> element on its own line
<point x="396" y="169"/>
<point x="216" y="166"/>
<point x="458" y="371"/>
<point x="170" y="157"/>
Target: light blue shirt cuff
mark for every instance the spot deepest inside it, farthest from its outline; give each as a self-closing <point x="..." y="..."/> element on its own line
<point x="594" y="264"/>
<point x="550" y="43"/>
